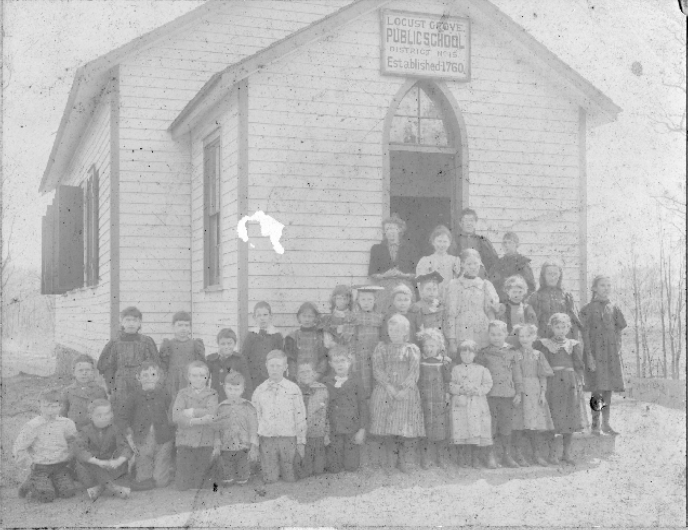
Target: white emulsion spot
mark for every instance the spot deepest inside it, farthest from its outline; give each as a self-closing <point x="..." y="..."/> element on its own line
<point x="269" y="226"/>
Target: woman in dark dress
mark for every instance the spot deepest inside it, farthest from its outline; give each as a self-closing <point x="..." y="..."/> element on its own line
<point x="392" y="261"/>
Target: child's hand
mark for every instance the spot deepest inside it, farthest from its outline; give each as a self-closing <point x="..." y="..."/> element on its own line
<point x="301" y="449"/>
<point x="592" y="366"/>
<point x="392" y="391"/>
<point x="517" y="399"/>
<point x="359" y="438"/>
<point x="326" y="440"/>
<point x="187" y="413"/>
<point x="543" y="398"/>
<point x="253" y="453"/>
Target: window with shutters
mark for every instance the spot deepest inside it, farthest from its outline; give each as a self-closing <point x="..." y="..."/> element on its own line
<point x="91" y="225"/>
<point x="211" y="209"/>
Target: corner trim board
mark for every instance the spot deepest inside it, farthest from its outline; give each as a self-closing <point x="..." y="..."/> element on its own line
<point x="242" y="207"/>
<point x="114" y="204"/>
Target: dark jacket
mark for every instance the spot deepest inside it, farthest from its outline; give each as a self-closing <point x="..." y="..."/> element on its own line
<point x="347" y="410"/>
<point x="220" y="366"/>
<point x="511" y="265"/>
<point x="381" y="261"/>
<point x="145" y="408"/>
<point x="257" y="345"/>
<point x="105" y="444"/>
<point x="75" y="400"/>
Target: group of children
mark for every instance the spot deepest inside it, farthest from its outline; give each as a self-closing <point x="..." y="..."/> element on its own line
<point x="467" y="375"/>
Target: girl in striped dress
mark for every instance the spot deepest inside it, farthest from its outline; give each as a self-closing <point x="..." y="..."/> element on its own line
<point x="395" y="406"/>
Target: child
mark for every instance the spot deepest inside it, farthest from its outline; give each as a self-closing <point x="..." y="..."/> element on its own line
<point x="511" y="264"/>
<point x="428" y="312"/>
<point x="515" y="311"/>
<point x="315" y="397"/>
<point x="281" y="421"/>
<point x="603" y="323"/>
<point x="507" y="387"/>
<point x="347" y="413"/>
<point x="236" y="440"/>
<point x="532" y="417"/>
<point x="102" y="453"/>
<point x="435" y="374"/>
<point x="339" y="324"/>
<point x="45" y="443"/>
<point x="307" y="343"/>
<point x="395" y="408"/>
<point x="565" y="388"/>
<point x="471" y="422"/>
<point x="227" y="359"/>
<point x="468" y="239"/>
<point x="551" y="298"/>
<point x="448" y="266"/>
<point x="470" y="305"/>
<point x="368" y="322"/>
<point x="261" y="340"/>
<point x="177" y="353"/>
<point x="84" y="389"/>
<point x="121" y="357"/>
<point x="194" y="412"/>
<point x="402" y="298"/>
<point x="145" y="420"/>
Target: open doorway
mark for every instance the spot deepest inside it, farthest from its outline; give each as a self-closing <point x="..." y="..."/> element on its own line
<point x="425" y="169"/>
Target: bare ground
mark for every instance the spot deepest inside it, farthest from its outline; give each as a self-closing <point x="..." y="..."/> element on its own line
<point x="642" y="485"/>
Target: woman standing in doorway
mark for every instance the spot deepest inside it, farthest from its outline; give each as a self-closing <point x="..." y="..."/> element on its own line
<point x="392" y="261"/>
<point x="440" y="261"/>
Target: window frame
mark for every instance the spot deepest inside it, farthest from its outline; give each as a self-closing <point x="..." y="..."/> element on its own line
<point x="212" y="210"/>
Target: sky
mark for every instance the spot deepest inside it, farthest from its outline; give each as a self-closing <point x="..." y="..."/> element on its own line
<point x="629" y="161"/>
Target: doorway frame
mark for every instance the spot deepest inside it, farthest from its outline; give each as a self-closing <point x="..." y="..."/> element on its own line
<point x="455" y="121"/>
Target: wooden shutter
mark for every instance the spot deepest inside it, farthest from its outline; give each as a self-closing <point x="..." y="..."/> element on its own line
<point x="48" y="269"/>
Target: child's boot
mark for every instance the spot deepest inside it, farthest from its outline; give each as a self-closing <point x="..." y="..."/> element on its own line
<point x="595" y="426"/>
<point x="425" y="455"/>
<point x="475" y="456"/>
<point x="516" y="443"/>
<point x="553" y="458"/>
<point x="536" y="442"/>
<point x="465" y="455"/>
<point x="442" y="460"/>
<point x="25" y="488"/>
<point x="491" y="461"/>
<point x="566" y="457"/>
<point x="94" y="492"/>
<point x="507" y="459"/>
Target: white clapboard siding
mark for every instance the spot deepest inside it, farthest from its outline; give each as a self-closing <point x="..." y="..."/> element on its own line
<point x="82" y="316"/>
<point x="315" y="153"/>
<point x="159" y="176"/>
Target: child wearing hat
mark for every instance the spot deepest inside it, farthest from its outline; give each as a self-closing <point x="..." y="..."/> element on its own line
<point x="367" y="321"/>
<point x="428" y="312"/>
<point x="402" y="298"/>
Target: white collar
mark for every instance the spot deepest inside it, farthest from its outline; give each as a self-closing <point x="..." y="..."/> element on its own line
<point x="271" y="330"/>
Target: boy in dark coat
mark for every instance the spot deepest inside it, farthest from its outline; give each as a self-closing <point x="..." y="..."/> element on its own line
<point x="226" y="360"/>
<point x="347" y="414"/>
<point x="260" y="341"/>
<point x="102" y="453"/>
<point x="145" y="420"/>
<point x="511" y="264"/>
<point x="469" y="239"/>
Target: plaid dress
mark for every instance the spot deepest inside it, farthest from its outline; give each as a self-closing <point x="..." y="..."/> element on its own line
<point x="367" y="336"/>
<point x="397" y="365"/>
<point x="435" y="375"/>
<point x="306" y="345"/>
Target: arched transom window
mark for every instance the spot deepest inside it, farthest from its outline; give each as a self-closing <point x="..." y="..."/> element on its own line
<point x="418" y="120"/>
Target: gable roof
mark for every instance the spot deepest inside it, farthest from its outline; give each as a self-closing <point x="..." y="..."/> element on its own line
<point x="600" y="107"/>
<point x="90" y="82"/>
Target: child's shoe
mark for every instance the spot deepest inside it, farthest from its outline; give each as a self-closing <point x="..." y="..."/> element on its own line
<point x="121" y="492"/>
<point x="607" y="429"/>
<point x="553" y="458"/>
<point x="442" y="460"/>
<point x="94" y="492"/>
<point x="519" y="458"/>
<point x="595" y="426"/>
<point x="507" y="459"/>
<point x="143" y="485"/>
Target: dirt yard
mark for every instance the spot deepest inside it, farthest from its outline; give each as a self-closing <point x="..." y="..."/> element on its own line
<point x="642" y="485"/>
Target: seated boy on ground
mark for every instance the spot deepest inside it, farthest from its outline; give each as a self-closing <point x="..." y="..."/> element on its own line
<point x="84" y="389"/>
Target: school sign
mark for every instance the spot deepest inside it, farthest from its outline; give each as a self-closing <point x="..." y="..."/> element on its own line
<point x="416" y="44"/>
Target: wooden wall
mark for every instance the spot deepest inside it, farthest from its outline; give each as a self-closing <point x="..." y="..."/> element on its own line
<point x="82" y="316"/>
<point x="315" y="159"/>
<point x="155" y="175"/>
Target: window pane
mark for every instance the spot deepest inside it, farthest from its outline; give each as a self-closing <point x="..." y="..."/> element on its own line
<point x="409" y="105"/>
<point x="432" y="132"/>
<point x="404" y="130"/>
<point x="428" y="109"/>
<point x="213" y="250"/>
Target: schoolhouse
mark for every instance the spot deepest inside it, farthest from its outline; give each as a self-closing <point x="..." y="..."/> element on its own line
<point x="326" y="115"/>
